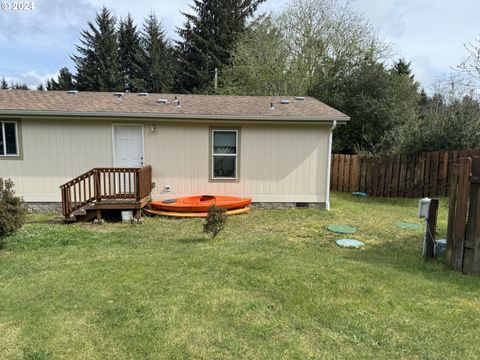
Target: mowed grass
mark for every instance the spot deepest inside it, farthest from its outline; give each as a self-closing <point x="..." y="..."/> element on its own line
<point x="273" y="285"/>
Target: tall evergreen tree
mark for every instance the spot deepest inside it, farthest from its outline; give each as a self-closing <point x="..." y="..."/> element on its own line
<point x="128" y="50"/>
<point x="207" y="40"/>
<point x="19" y="86"/>
<point x="65" y="79"/>
<point x="3" y="84"/>
<point x="63" y="82"/>
<point x="402" y="67"/>
<point x="153" y="62"/>
<point x="51" y="84"/>
<point x="40" y="87"/>
<point x="423" y="100"/>
<point x="97" y="61"/>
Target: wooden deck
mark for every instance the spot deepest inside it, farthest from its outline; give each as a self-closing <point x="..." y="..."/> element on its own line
<point x="86" y="196"/>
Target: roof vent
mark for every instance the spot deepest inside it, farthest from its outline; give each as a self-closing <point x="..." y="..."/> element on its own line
<point x="118" y="95"/>
<point x="300" y="98"/>
<point x="72" y="92"/>
<point x="271" y="107"/>
<point x="162" y="101"/>
<point x="284" y="102"/>
<point x="143" y="94"/>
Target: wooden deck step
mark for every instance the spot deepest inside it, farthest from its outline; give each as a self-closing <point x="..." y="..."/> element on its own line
<point x="106" y="189"/>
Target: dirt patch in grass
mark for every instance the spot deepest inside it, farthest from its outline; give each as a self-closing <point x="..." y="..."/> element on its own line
<point x="56" y="221"/>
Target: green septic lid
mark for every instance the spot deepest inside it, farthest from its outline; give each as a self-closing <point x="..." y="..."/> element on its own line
<point x="360" y="193"/>
<point x="407" y="225"/>
<point x="342" y="229"/>
<point x="350" y="243"/>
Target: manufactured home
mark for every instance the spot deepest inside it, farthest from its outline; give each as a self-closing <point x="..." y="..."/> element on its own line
<point x="275" y="150"/>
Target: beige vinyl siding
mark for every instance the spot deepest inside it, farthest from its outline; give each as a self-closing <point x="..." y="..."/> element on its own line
<point x="55" y="151"/>
<point x="277" y="163"/>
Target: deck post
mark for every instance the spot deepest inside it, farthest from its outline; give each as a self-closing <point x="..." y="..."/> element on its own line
<point x="138" y="179"/>
<point x="138" y="214"/>
<point x="96" y="185"/>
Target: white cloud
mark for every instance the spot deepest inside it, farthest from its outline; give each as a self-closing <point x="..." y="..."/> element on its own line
<point x="52" y="22"/>
<point x="429" y="33"/>
<point x="31" y="78"/>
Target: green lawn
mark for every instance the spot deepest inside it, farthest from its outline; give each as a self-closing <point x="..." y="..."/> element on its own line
<point x="273" y="285"/>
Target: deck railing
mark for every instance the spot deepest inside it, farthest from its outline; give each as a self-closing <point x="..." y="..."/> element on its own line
<point x="106" y="183"/>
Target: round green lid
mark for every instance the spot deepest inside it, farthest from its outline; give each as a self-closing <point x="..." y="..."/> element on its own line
<point x="407" y="225"/>
<point x="342" y="229"/>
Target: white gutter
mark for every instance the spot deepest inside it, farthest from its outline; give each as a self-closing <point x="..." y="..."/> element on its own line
<point x="329" y="166"/>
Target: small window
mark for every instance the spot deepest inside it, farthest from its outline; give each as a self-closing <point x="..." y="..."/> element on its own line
<point x="224" y="154"/>
<point x="8" y="138"/>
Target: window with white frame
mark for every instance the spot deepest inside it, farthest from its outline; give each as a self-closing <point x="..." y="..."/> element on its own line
<point x="8" y="138"/>
<point x="224" y="154"/>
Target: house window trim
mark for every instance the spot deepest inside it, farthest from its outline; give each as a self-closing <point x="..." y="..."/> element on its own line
<point x="18" y="138"/>
<point x="212" y="178"/>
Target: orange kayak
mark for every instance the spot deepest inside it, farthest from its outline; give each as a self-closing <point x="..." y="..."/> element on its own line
<point x="200" y="203"/>
<point x="193" y="214"/>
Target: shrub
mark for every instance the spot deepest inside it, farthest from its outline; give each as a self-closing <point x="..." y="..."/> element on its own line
<point x="216" y="220"/>
<point x="12" y="211"/>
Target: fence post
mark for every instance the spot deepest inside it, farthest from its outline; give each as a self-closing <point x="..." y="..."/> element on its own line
<point x="431" y="229"/>
<point x="471" y="256"/>
<point x="459" y="226"/>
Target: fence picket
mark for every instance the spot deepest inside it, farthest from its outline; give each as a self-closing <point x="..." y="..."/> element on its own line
<point x="355" y="174"/>
<point x="334" y="167"/>
<point x="341" y="162"/>
<point x="346" y="174"/>
<point x="434" y="174"/>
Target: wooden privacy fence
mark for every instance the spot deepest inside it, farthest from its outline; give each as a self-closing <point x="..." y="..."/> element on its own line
<point x="417" y="175"/>
<point x="463" y="234"/>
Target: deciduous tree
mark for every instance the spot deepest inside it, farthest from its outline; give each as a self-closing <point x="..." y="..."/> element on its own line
<point x="450" y="120"/>
<point x="471" y="65"/>
<point x="379" y="102"/>
<point x="259" y="64"/>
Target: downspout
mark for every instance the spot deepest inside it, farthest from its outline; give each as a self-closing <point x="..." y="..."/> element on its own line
<point x="329" y="165"/>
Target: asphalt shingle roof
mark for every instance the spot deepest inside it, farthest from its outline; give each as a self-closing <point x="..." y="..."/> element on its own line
<point x="105" y="103"/>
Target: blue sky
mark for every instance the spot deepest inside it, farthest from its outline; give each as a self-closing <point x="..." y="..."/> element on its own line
<point x="35" y="44"/>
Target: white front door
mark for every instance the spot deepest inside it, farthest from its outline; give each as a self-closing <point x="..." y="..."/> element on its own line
<point x="128" y="146"/>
